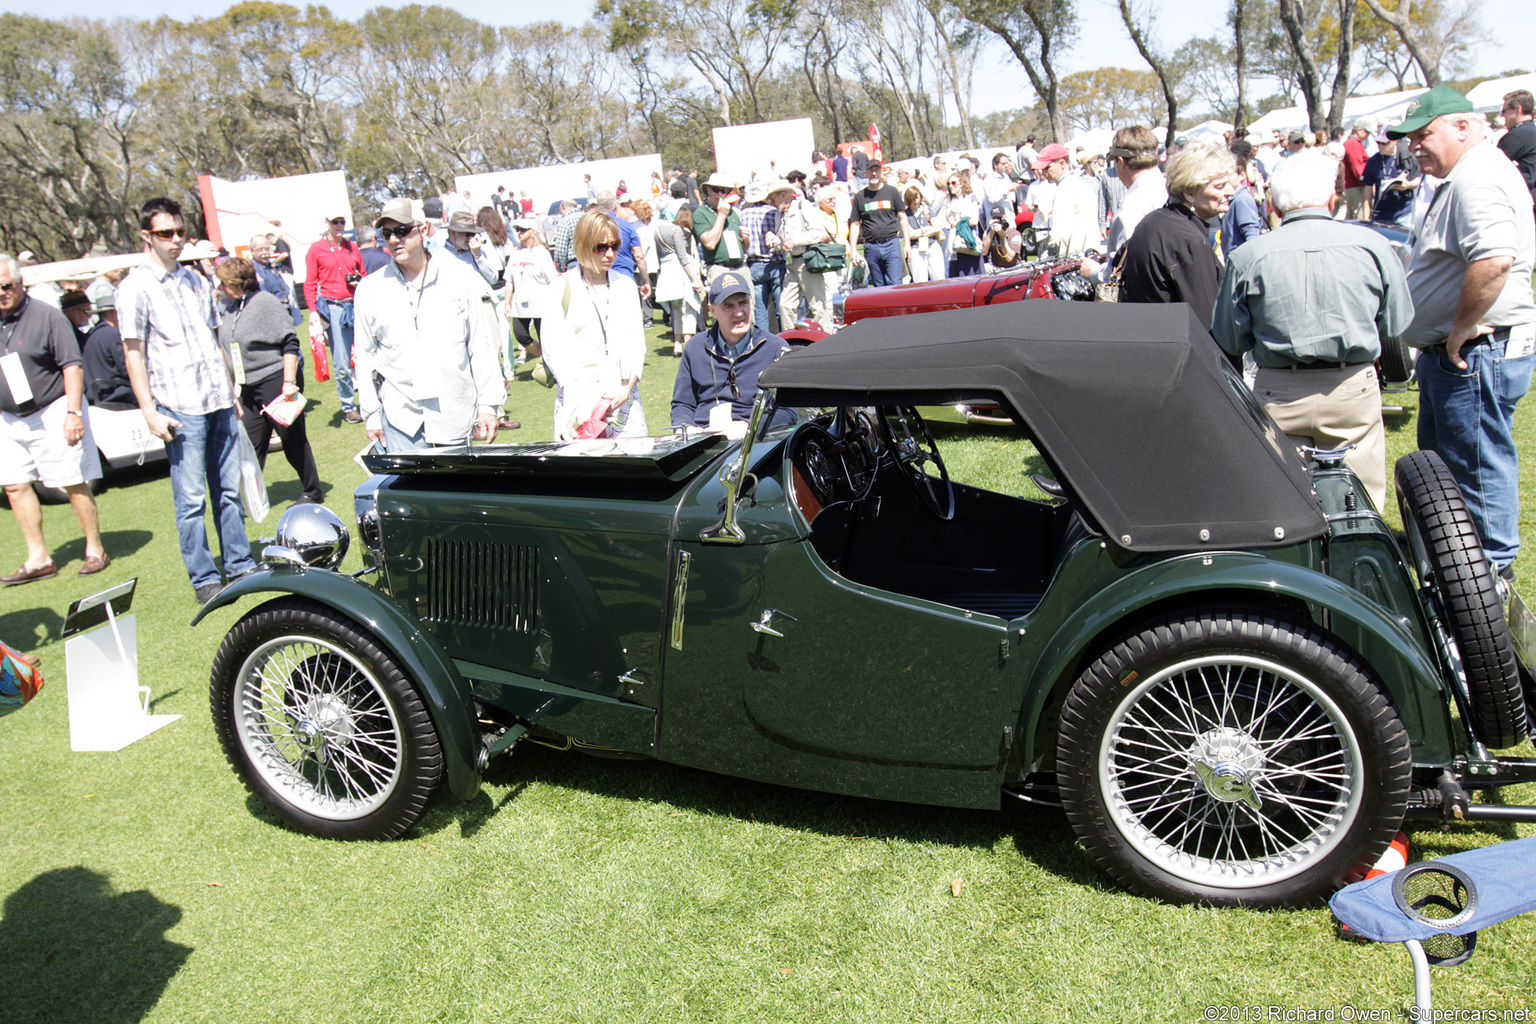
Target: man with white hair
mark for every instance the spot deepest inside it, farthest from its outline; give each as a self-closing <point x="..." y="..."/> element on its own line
<point x="1357" y="205"/>
<point x="1313" y="300"/>
<point x="1474" y="314"/>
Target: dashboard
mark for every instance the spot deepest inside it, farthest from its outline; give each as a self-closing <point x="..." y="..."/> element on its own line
<point x="830" y="468"/>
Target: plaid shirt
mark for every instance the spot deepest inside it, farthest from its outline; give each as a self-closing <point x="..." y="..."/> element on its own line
<point x="172" y="314"/>
<point x="759" y="219"/>
<point x="565" y="233"/>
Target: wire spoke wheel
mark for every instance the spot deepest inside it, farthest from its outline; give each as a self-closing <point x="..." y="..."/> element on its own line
<point x="318" y="725"/>
<point x="322" y="724"/>
<point x="1231" y="759"/>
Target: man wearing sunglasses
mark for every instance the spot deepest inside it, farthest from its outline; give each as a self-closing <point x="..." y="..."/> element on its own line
<point x="428" y="368"/>
<point x="717" y="378"/>
<point x="185" y="391"/>
<point x="333" y="267"/>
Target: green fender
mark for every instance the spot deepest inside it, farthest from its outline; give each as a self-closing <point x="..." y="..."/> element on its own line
<point x="444" y="690"/>
<point x="1394" y="650"/>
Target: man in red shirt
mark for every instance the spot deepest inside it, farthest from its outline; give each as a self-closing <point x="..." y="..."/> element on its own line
<point x="332" y="269"/>
<point x="1356" y="204"/>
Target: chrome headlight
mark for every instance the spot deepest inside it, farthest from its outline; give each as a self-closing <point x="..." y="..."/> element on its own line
<point x="314" y="534"/>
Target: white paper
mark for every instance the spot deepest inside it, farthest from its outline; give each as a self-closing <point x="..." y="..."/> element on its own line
<point x="16" y="378"/>
<point x="1522" y="341"/>
<point x="720" y="417"/>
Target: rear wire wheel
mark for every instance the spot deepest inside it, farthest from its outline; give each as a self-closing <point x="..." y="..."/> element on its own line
<point x="322" y="724"/>
<point x="1232" y="758"/>
<point x="1449" y="559"/>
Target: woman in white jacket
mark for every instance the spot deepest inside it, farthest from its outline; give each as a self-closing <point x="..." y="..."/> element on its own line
<point x="592" y="339"/>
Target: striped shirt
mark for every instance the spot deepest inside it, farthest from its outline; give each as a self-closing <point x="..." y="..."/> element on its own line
<point x="759" y="219"/>
<point x="172" y="314"/>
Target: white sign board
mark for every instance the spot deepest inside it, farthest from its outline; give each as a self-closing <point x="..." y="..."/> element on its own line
<point x="769" y="149"/>
<point x="546" y="186"/>
<point x="236" y="210"/>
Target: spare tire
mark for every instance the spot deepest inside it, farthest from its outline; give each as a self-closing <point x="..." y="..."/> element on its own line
<point x="1396" y="362"/>
<point x="1449" y="559"/>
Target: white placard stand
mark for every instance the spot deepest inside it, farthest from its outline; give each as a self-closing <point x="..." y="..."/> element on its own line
<point x="108" y="709"/>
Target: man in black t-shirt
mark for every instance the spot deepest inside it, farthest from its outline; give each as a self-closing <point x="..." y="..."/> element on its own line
<point x="876" y="221"/>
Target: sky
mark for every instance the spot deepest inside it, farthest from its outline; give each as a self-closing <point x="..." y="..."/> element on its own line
<point x="1510" y="24"/>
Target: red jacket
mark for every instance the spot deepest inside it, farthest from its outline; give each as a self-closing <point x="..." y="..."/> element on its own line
<point x="1354" y="161"/>
<point x="326" y="268"/>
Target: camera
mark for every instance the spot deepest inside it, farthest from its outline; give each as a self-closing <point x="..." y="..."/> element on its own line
<point x="352" y="279"/>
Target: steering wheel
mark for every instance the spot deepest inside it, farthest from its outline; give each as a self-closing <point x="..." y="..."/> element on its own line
<point x="911" y="442"/>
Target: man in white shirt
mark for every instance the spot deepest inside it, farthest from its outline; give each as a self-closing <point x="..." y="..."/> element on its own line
<point x="428" y="372"/>
<point x="1135" y="155"/>
<point x="997" y="187"/>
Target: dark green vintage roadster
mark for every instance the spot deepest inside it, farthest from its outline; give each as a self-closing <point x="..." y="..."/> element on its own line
<point x="1231" y="674"/>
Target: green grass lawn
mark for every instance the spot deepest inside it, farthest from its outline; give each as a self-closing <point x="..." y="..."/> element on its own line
<point x="145" y="884"/>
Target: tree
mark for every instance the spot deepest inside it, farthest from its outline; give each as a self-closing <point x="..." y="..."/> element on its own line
<point x="1110" y="98"/>
<point x="1292" y="16"/>
<point x="1034" y="32"/>
<point x="1412" y="35"/>
<point x="1141" y="35"/>
<point x="69" y="167"/>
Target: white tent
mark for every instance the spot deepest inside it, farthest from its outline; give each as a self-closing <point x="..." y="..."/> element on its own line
<point x="1387" y="106"/>
<point x="1489" y="96"/>
<point x="1214" y="131"/>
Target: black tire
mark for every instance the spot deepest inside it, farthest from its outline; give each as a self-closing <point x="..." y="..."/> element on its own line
<point x="1449" y="559"/>
<point x="322" y="725"/>
<point x="1396" y="362"/>
<point x="1232" y="758"/>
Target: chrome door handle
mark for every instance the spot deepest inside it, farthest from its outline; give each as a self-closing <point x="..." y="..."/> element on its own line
<point x="764" y="624"/>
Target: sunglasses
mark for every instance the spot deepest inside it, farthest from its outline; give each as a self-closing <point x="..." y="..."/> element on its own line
<point x="399" y="231"/>
<point x="602" y="248"/>
<point x="6" y="286"/>
<point x="169" y="234"/>
<point x="338" y="220"/>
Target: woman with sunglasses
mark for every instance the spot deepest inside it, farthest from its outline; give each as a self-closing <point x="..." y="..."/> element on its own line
<point x="592" y="341"/>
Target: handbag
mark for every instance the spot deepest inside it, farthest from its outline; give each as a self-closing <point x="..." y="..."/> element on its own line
<point x="1109" y="291"/>
<point x="253" y="487"/>
<point x="825" y="257"/>
<point x="19" y="681"/>
<point x="672" y="283"/>
<point x="968" y="243"/>
<point x="321" y="356"/>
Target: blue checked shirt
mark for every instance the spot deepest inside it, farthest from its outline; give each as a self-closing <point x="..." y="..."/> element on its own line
<point x="759" y="219"/>
<point x="173" y="315"/>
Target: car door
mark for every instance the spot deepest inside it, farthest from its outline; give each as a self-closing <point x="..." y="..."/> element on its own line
<point x="779" y="669"/>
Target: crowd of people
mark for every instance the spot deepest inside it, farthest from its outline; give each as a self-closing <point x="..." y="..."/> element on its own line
<point x="424" y="314"/>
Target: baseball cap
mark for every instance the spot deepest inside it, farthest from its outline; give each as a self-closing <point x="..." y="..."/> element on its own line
<point x="726" y="285"/>
<point x="1050" y="154"/>
<point x="1442" y="99"/>
<point x="399" y="209"/>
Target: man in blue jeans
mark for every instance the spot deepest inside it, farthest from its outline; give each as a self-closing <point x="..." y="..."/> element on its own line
<point x="1474" y="314"/>
<point x="186" y="394"/>
<point x="876" y="221"/>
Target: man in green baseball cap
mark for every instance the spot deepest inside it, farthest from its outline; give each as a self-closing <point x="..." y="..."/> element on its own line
<point x="1474" y="315"/>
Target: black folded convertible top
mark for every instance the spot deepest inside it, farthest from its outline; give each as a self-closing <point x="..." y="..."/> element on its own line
<point x="1134" y="405"/>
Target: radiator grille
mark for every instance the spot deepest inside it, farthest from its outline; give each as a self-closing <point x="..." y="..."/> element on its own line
<point x="480" y="584"/>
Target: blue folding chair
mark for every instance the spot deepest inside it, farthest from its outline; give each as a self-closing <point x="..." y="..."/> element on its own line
<point x="1437" y="907"/>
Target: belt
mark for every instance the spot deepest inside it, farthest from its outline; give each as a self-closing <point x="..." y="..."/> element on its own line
<point x="1337" y="364"/>
<point x="1499" y="334"/>
<point x="765" y="259"/>
<point x="327" y="298"/>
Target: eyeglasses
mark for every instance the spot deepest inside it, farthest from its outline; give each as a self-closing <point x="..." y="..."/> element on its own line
<point x="400" y="231"/>
<point x="602" y="248"/>
<point x="338" y="220"/>
<point x="6" y="286"/>
<point x="169" y="234"/>
<point x="730" y="378"/>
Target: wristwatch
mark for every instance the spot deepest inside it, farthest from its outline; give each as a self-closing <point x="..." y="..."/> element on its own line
<point x="74" y="412"/>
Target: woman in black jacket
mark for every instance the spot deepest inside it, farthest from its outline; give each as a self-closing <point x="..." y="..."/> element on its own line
<point x="1170" y="257"/>
<point x="256" y="329"/>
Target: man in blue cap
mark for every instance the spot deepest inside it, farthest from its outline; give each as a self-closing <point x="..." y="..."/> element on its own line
<point x="1474" y="315"/>
<point x="717" y="379"/>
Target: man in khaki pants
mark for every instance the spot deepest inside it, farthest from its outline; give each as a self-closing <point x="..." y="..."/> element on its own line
<point x="1313" y="300"/>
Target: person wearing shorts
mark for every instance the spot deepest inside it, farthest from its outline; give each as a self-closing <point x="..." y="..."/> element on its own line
<point x="44" y="434"/>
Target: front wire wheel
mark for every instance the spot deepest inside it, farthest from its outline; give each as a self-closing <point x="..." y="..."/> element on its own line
<point x="1233" y="760"/>
<point x="322" y="725"/>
